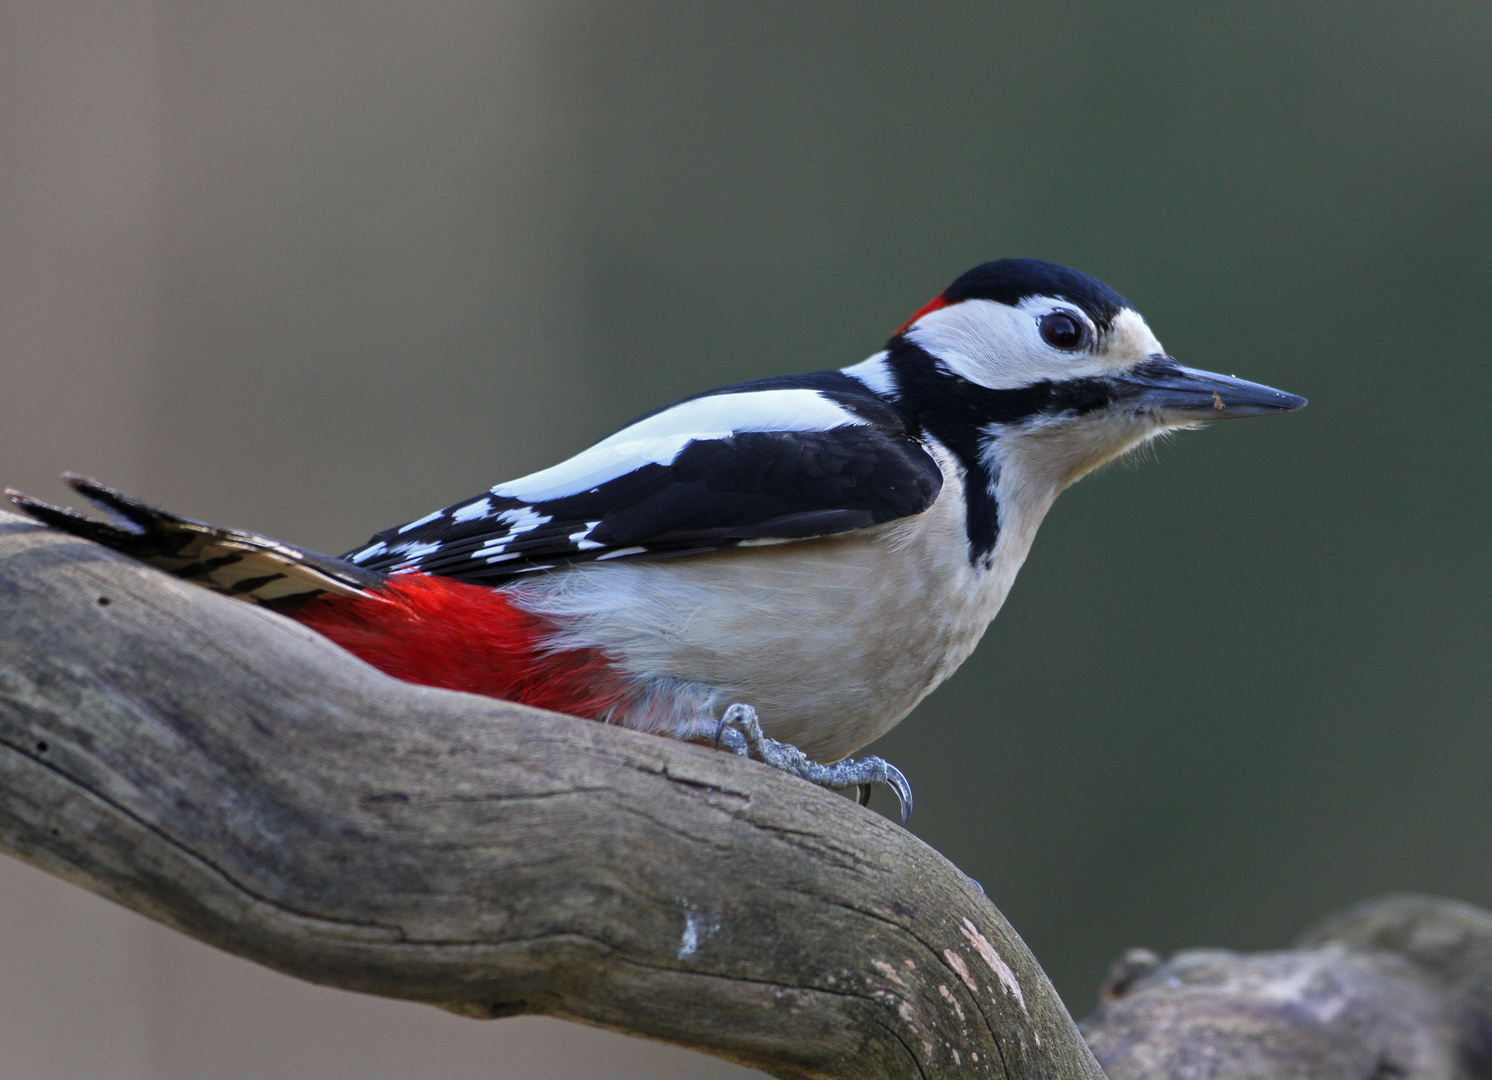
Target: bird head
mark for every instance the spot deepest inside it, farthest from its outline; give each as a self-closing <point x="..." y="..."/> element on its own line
<point x="1030" y="364"/>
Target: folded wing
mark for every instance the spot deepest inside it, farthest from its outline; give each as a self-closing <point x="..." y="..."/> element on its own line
<point x="767" y="462"/>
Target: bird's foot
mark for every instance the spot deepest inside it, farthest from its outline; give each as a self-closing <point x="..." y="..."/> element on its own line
<point x="741" y="732"/>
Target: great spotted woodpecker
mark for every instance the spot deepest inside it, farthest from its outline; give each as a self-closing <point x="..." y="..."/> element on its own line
<point x="789" y="564"/>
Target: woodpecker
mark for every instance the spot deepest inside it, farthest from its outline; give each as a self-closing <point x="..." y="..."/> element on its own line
<point x="786" y="566"/>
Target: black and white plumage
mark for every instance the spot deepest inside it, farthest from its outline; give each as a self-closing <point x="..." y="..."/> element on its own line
<point x="837" y="542"/>
<point x="763" y="462"/>
<point x="815" y="552"/>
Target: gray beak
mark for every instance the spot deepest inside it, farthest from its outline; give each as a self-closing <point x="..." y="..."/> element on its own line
<point x="1181" y="393"/>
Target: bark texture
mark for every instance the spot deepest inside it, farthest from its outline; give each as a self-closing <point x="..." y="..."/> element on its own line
<point x="233" y="775"/>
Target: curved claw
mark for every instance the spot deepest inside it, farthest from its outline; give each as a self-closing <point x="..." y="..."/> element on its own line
<point x="740" y="721"/>
<point x="731" y="741"/>
<point x="898" y="783"/>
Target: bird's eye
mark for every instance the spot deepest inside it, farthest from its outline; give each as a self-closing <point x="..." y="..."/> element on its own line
<point x="1061" y="331"/>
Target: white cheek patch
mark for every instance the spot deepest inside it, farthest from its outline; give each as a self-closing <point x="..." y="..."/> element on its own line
<point x="1000" y="347"/>
<point x="659" y="439"/>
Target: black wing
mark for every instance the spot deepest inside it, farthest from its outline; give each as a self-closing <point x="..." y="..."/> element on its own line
<point x="715" y="491"/>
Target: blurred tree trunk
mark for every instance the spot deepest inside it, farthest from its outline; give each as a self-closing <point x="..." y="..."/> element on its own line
<point x="1393" y="989"/>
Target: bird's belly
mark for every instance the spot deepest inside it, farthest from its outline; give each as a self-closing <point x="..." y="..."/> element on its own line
<point x="832" y="641"/>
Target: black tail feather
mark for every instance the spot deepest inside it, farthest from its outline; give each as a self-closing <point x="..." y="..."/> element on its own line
<point x="240" y="564"/>
<point x="123" y="507"/>
<point x="141" y="530"/>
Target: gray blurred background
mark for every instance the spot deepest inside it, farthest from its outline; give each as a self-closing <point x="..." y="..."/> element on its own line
<point x="317" y="267"/>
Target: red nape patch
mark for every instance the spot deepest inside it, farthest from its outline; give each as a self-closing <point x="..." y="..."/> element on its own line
<point x="932" y="305"/>
<point x="438" y="632"/>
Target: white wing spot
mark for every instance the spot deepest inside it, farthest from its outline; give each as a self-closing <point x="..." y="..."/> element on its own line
<point x="523" y="519"/>
<point x="519" y="521"/>
<point x="620" y="552"/>
<point x="411" y="553"/>
<point x="471" y="511"/>
<point x="368" y="552"/>
<point x="579" y="537"/>
<point x="427" y="519"/>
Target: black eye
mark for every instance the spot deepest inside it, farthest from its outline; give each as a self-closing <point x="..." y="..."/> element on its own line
<point x="1061" y="331"/>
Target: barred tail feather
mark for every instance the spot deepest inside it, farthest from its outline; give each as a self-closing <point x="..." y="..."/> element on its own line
<point x="239" y="564"/>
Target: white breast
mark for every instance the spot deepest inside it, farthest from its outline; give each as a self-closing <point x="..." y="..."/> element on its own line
<point x="832" y="640"/>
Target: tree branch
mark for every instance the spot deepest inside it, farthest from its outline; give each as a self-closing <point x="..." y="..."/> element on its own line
<point x="233" y="775"/>
<point x="1394" y="989"/>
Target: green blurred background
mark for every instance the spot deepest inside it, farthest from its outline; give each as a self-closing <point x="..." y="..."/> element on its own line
<point x="318" y="267"/>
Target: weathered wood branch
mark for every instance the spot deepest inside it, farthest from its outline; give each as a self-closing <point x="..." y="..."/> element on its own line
<point x="224" y="771"/>
<point x="234" y="776"/>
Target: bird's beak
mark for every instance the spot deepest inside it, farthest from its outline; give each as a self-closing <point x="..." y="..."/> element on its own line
<point x="1181" y="393"/>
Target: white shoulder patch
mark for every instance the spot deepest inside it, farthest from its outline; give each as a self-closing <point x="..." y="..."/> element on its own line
<point x="659" y="438"/>
<point x="875" y="373"/>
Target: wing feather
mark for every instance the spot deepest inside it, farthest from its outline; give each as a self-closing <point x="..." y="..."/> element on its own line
<point x="720" y="489"/>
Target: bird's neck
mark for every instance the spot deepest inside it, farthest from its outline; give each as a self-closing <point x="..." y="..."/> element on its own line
<point x="1018" y="490"/>
<point x="1028" y="468"/>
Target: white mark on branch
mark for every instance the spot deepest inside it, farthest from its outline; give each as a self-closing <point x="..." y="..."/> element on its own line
<point x="956" y="962"/>
<point x="904" y="1007"/>
<point x="948" y="997"/>
<point x="888" y="971"/>
<point x="995" y="961"/>
<point x="697" y="927"/>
